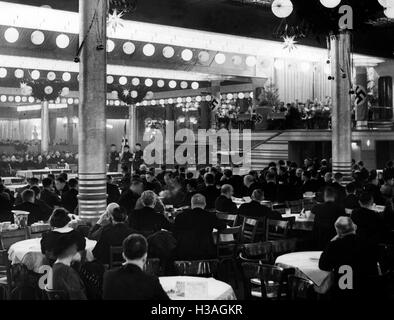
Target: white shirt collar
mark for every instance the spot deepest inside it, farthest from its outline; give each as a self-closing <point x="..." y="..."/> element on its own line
<point x="63" y="229"/>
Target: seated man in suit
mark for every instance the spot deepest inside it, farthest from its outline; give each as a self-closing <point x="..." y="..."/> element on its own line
<point x="255" y="209"/>
<point x="48" y="195"/>
<point x="112" y="235"/>
<point x="28" y="205"/>
<point x="347" y="249"/>
<point x="223" y="202"/>
<point x="325" y="216"/>
<point x="147" y="220"/>
<point x="351" y="199"/>
<point x="130" y="282"/>
<point x="70" y="197"/>
<point x="370" y="225"/>
<point x="193" y="231"/>
<point x="129" y="198"/>
<point x="210" y="192"/>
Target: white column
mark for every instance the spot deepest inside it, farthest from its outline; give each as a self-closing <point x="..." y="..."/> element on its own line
<point x="44" y="126"/>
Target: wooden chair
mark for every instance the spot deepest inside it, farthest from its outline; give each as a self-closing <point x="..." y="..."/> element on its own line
<point x="228" y="218"/>
<point x="153" y="267"/>
<point x="283" y="246"/>
<point x="115" y="257"/>
<point x="8" y="238"/>
<point x="279" y="229"/>
<point x="260" y="252"/>
<point x="295" y="206"/>
<point x="262" y="281"/>
<point x="308" y="204"/>
<point x="5" y="274"/>
<point x="56" y="295"/>
<point x="253" y="230"/>
<point x="34" y="233"/>
<point x="197" y="268"/>
<point x="300" y="289"/>
<point x="279" y="207"/>
<point x="227" y="242"/>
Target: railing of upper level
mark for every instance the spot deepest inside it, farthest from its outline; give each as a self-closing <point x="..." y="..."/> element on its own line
<point x="379" y="118"/>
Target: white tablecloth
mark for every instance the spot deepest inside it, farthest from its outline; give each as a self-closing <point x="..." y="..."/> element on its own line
<point x="217" y="290"/>
<point x="307" y="267"/>
<point x="29" y="173"/>
<point x="29" y="253"/>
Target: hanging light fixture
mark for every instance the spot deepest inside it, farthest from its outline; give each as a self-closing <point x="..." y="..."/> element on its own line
<point x="62" y="41"/>
<point x="195" y="85"/>
<point x="172" y="84"/>
<point x="148" y="82"/>
<point x="11" y="35"/>
<point x="168" y="52"/>
<point x="149" y="50"/>
<point x="251" y="61"/>
<point x="122" y="80"/>
<point x="160" y="83"/>
<point x="128" y="47"/>
<point x="3" y="72"/>
<point x="383" y="3"/>
<point x="66" y="76"/>
<point x="187" y="55"/>
<point x="135" y="81"/>
<point x="282" y="8"/>
<point x="220" y="58"/>
<point x="330" y="3"/>
<point x="203" y="56"/>
<point x="110" y="45"/>
<point x="37" y="37"/>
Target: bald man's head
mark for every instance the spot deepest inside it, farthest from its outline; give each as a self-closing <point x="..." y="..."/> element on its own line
<point x="344" y="226"/>
<point x="198" y="201"/>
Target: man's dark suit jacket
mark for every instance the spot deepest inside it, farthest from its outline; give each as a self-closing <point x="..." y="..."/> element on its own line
<point x="224" y="204"/>
<point x="35" y="213"/>
<point x="271" y="191"/>
<point x="129" y="282"/>
<point x="370" y="225"/>
<point x="111" y="235"/>
<point x="351" y="202"/>
<point x="352" y="251"/>
<point x="254" y="209"/>
<point x="127" y="200"/>
<point x="323" y="227"/>
<point x="113" y="193"/>
<point x="193" y="231"/>
<point x="70" y="200"/>
<point x="147" y="221"/>
<point x="210" y="193"/>
<point x="50" y="198"/>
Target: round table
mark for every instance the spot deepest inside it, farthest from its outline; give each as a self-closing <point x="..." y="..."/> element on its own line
<point x="306" y="266"/>
<point x="28" y="252"/>
<point x="196" y="288"/>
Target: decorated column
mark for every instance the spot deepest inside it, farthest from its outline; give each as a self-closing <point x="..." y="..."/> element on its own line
<point x="92" y="122"/>
<point x="70" y="124"/>
<point x="132" y="125"/>
<point x="341" y="109"/>
<point x="44" y="126"/>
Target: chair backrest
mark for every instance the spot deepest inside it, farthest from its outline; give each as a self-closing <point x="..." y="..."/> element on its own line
<point x="228" y="218"/>
<point x="283" y="246"/>
<point x="56" y="294"/>
<point x="37" y="232"/>
<point x="279" y="229"/>
<point x="153" y="267"/>
<point x="197" y="268"/>
<point x="115" y="257"/>
<point x="259" y="252"/>
<point x="8" y="238"/>
<point x="279" y="207"/>
<point x="253" y="229"/>
<point x="308" y="204"/>
<point x="295" y="206"/>
<point x="227" y="241"/>
<point x="5" y="264"/>
<point x="300" y="289"/>
<point x="265" y="279"/>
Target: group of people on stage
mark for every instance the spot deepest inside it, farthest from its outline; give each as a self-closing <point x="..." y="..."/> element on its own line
<point x="132" y="160"/>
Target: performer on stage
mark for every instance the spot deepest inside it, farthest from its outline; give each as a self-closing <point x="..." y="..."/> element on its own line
<point x="138" y="157"/>
<point x="114" y="158"/>
<point x="127" y="157"/>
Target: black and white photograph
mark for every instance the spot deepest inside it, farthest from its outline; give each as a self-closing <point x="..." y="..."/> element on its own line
<point x="203" y="157"/>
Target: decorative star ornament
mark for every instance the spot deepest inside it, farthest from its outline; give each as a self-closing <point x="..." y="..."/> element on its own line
<point x="114" y="20"/>
<point x="289" y="43"/>
<point x="126" y="92"/>
<point x="23" y="85"/>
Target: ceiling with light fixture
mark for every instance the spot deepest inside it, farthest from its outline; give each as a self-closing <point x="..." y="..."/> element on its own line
<point x="253" y="18"/>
